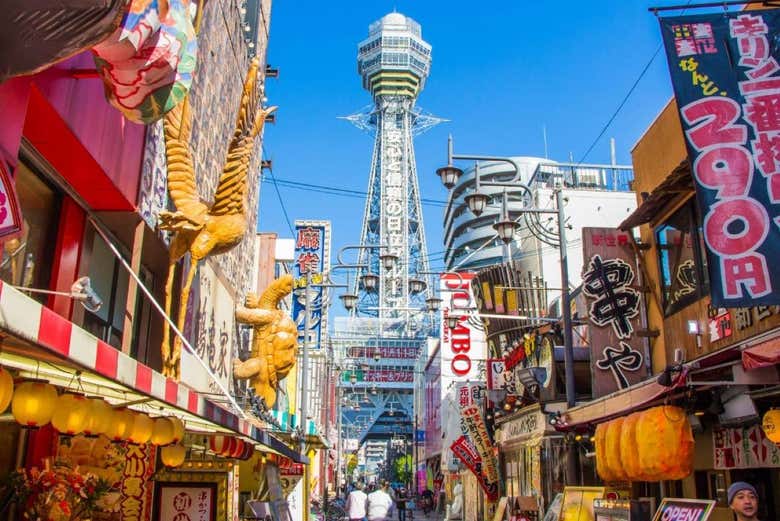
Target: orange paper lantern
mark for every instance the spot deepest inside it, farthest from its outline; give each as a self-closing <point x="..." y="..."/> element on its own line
<point x="178" y="429"/>
<point x="100" y="417"/>
<point x="6" y="388"/>
<point x="71" y="414"/>
<point x="238" y="448"/>
<point x="600" y="443"/>
<point x="173" y="455"/>
<point x="121" y="424"/>
<point x="665" y="443"/>
<point x="770" y="424"/>
<point x="220" y="444"/>
<point x="612" y="447"/>
<point x="162" y="434"/>
<point x="142" y="429"/>
<point x="33" y="403"/>
<point x="629" y="448"/>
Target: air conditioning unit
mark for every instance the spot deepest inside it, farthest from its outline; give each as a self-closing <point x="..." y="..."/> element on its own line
<point x="738" y="410"/>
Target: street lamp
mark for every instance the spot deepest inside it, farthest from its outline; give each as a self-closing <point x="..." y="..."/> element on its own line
<point x="449" y="174"/>
<point x="377" y="354"/>
<point x="417" y="285"/>
<point x="478" y="200"/>
<point x="433" y="304"/>
<point x="388" y="260"/>
<point x="370" y="281"/>
<point x="452" y="321"/>
<point x="505" y="229"/>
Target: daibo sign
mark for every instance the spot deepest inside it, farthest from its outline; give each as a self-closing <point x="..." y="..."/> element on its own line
<point x="464" y="347"/>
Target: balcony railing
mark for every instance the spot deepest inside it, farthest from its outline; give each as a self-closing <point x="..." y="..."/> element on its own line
<point x="613" y="178"/>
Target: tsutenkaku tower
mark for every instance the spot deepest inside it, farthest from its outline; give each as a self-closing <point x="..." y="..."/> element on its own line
<point x="394" y="62"/>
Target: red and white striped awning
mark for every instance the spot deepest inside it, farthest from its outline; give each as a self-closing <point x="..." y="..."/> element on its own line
<point x="28" y="320"/>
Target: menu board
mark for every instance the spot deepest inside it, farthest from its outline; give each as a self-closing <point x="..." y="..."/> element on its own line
<point x="186" y="501"/>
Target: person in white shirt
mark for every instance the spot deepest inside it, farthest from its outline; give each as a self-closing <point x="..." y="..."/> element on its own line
<point x="380" y="504"/>
<point x="356" y="503"/>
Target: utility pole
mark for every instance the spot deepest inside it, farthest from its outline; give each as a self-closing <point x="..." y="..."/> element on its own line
<point x="303" y="424"/>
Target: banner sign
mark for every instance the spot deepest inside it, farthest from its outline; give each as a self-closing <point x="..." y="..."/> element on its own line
<point x="727" y="83"/>
<point x="474" y="429"/>
<point x="10" y="214"/>
<point x="609" y="283"/>
<point x="464" y="346"/>
<point x="312" y="255"/>
<point x="743" y="448"/>
<point x="379" y="376"/>
<point x="409" y="353"/>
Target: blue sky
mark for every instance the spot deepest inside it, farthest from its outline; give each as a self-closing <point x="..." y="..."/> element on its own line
<point x="501" y="72"/>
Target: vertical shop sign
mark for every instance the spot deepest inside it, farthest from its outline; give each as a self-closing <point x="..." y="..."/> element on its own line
<point x="475" y="431"/>
<point x="609" y="282"/>
<point x="312" y="255"/>
<point x="727" y="83"/>
<point x="464" y="346"/>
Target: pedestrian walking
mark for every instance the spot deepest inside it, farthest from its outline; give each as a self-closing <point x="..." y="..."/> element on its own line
<point x="401" y="498"/>
<point x="380" y="504"/>
<point x="357" y="503"/>
<point x="743" y="500"/>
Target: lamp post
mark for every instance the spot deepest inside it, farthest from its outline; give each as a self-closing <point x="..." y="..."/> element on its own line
<point x="506" y="227"/>
<point x="505" y="230"/>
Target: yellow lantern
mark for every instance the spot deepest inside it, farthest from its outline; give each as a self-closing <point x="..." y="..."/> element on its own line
<point x="770" y="424"/>
<point x="6" y="388"/>
<point x="162" y="434"/>
<point x="33" y="403"/>
<point x="100" y="417"/>
<point x="629" y="450"/>
<point x="71" y="414"/>
<point x="612" y="449"/>
<point x="121" y="424"/>
<point x="173" y="455"/>
<point x="142" y="429"/>
<point x="665" y="443"/>
<point x="178" y="429"/>
<point x="599" y="441"/>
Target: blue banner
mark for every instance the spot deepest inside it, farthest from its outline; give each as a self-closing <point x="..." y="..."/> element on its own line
<point x="726" y="80"/>
<point x="312" y="255"/>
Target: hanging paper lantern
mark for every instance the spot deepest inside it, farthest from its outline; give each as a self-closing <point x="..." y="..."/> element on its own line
<point x="665" y="443"/>
<point x="238" y="449"/>
<point x="600" y="443"/>
<point x="33" y="403"/>
<point x="121" y="424"/>
<point x="629" y="449"/>
<point x="770" y="424"/>
<point x="249" y="450"/>
<point x="217" y="444"/>
<point x="612" y="447"/>
<point x="178" y="429"/>
<point x="6" y="389"/>
<point x="71" y="414"/>
<point x="173" y="455"/>
<point x="100" y="417"/>
<point x="162" y="434"/>
<point x="142" y="429"/>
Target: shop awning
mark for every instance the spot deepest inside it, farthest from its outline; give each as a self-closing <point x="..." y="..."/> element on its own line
<point x="679" y="182"/>
<point x="619" y="403"/>
<point x="765" y="354"/>
<point x="45" y="344"/>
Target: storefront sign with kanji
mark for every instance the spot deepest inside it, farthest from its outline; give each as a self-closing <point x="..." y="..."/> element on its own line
<point x="743" y="448"/>
<point x="609" y="283"/>
<point x="312" y="257"/>
<point x="727" y="84"/>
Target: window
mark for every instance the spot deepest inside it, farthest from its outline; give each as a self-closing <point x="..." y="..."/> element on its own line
<point x="27" y="259"/>
<point x="682" y="264"/>
<point x="109" y="280"/>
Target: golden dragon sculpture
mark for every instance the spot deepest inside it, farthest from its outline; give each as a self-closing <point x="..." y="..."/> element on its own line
<point x="198" y="228"/>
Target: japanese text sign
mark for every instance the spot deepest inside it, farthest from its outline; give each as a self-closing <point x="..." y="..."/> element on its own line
<point x="10" y="214"/>
<point x="609" y="282"/>
<point x="187" y="502"/>
<point x="743" y="448"/>
<point x="673" y="509"/>
<point x="312" y="256"/>
<point x="727" y="83"/>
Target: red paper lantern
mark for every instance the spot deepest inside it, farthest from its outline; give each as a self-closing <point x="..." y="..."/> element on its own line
<point x="218" y="444"/>
<point x="249" y="450"/>
<point x="238" y="449"/>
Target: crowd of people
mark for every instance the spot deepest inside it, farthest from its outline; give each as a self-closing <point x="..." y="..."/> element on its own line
<point x="379" y="502"/>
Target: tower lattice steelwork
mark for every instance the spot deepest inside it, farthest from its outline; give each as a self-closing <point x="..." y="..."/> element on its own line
<point x="394" y="62"/>
<point x="378" y="348"/>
